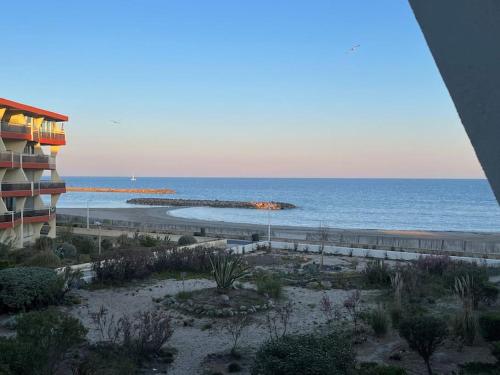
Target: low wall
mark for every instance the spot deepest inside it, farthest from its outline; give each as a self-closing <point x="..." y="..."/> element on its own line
<point x="356" y="252"/>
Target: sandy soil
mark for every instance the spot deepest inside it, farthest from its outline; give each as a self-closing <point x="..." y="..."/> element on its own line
<point x="193" y="343"/>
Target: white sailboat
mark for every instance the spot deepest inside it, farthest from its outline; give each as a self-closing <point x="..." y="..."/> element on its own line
<point x="133" y="178"/>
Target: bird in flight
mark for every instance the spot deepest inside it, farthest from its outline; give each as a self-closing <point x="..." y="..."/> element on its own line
<point x="353" y="48"/>
<point x="114" y="122"/>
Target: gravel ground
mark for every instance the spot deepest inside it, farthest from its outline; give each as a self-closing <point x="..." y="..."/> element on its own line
<point x="193" y="343"/>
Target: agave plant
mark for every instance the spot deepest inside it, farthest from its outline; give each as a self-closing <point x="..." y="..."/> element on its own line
<point x="227" y="268"/>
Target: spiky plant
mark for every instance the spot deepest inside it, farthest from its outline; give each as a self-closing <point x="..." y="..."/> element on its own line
<point x="465" y="324"/>
<point x="227" y="268"/>
<point x="397" y="287"/>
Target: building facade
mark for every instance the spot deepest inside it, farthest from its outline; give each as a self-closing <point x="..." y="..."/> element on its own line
<point x="30" y="139"/>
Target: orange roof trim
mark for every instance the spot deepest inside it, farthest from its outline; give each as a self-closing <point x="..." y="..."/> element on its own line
<point x="33" y="110"/>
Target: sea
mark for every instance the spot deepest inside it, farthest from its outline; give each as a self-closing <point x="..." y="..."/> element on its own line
<point x="406" y="204"/>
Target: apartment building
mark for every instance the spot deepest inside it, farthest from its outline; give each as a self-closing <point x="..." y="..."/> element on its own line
<point x="30" y="139"/>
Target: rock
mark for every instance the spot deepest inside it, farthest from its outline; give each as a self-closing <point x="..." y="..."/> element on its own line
<point x="326" y="284"/>
<point x="224" y="297"/>
<point x="243" y="308"/>
<point x="312" y="285"/>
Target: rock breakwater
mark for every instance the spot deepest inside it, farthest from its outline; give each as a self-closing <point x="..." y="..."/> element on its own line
<point x="211" y="203"/>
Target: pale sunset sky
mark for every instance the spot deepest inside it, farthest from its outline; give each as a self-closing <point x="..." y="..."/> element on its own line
<point x="236" y="88"/>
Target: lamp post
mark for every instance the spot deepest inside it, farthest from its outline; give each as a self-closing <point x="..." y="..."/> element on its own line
<point x="88" y="215"/>
<point x="269" y="225"/>
<point x="98" y="223"/>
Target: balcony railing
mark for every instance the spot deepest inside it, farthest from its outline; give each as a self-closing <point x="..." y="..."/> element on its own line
<point x="28" y="189"/>
<point x="50" y="211"/>
<point x="10" y="159"/>
<point x="10" y="219"/>
<point x="28" y="132"/>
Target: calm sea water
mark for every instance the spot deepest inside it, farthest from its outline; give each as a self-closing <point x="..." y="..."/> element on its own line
<point x="345" y="203"/>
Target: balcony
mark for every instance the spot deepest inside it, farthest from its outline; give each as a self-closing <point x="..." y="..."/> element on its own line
<point x="39" y="215"/>
<point x="9" y="219"/>
<point x="11" y="159"/>
<point x="29" y="133"/>
<point x="29" y="189"/>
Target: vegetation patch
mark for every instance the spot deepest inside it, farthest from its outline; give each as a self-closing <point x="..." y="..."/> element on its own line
<point x="216" y="303"/>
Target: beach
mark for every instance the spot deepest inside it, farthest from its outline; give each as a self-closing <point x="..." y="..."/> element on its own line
<point x="161" y="219"/>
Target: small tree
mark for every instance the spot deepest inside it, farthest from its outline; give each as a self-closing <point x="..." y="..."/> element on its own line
<point x="352" y="305"/>
<point x="424" y="334"/>
<point x="235" y="327"/>
<point x="323" y="237"/>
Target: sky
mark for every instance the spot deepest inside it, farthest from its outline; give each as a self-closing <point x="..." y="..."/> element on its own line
<point x="236" y="88"/>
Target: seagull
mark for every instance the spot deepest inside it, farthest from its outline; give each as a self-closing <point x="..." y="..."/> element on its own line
<point x="114" y="122"/>
<point x="353" y="48"/>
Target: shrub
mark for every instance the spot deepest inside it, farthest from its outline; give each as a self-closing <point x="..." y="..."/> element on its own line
<point x="305" y="355"/>
<point x="45" y="258"/>
<point x="106" y="244"/>
<point x="125" y="265"/>
<point x="371" y="368"/>
<point x="233" y="367"/>
<point x="124" y="241"/>
<point x="376" y="272"/>
<point x="66" y="250"/>
<point x="227" y="268"/>
<point x="148" y="241"/>
<point x="106" y="359"/>
<point x="378" y="321"/>
<point x="44" y="243"/>
<point x="489" y="324"/>
<point x="42" y="339"/>
<point x="23" y="288"/>
<point x="186" y="240"/>
<point x="424" y="334"/>
<point x="84" y="244"/>
<point x="270" y="284"/>
<point x="435" y="265"/>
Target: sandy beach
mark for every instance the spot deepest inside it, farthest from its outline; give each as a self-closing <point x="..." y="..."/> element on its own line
<point x="161" y="215"/>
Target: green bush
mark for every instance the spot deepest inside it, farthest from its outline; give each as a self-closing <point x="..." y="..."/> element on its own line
<point x="42" y="339"/>
<point x="371" y="368"/>
<point x="84" y="244"/>
<point x="306" y="354"/>
<point x="107" y="359"/>
<point x="44" y="243"/>
<point x="378" y="321"/>
<point x="66" y="251"/>
<point x="23" y="288"/>
<point x="106" y="244"/>
<point x="149" y="241"/>
<point x="489" y="325"/>
<point x="270" y="284"/>
<point x="45" y="258"/>
<point x="186" y="240"/>
<point x="377" y="273"/>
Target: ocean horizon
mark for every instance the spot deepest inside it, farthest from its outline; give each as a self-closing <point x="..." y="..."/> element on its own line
<point x="351" y="203"/>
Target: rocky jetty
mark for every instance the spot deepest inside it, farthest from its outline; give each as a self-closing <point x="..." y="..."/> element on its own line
<point x="113" y="190"/>
<point x="211" y="203"/>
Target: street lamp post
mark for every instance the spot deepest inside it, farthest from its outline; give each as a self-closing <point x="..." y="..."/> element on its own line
<point x="98" y="223"/>
<point x="88" y="215"/>
<point x="269" y="226"/>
